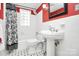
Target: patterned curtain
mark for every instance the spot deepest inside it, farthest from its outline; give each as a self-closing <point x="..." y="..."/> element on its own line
<point x="11" y="27"/>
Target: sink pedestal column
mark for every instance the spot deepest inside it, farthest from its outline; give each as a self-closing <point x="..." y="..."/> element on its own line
<point x="50" y="47"/>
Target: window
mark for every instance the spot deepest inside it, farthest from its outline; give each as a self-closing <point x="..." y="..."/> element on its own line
<point x="25" y="17"/>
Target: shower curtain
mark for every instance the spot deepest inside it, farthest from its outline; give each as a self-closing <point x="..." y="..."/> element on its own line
<point x="11" y="27"/>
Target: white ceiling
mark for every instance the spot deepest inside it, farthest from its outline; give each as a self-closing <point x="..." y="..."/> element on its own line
<point x="31" y="5"/>
<point x="53" y="6"/>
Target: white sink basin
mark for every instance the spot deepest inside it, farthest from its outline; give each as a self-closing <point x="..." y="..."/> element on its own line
<point x="54" y="35"/>
<point x="51" y="37"/>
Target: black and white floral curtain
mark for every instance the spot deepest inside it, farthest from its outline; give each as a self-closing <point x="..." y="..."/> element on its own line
<point x="11" y="27"/>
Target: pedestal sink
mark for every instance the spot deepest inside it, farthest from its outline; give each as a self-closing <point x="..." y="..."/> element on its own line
<point x="51" y="37"/>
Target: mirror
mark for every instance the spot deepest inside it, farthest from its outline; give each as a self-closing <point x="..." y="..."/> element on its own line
<point x="57" y="9"/>
<point x="77" y="7"/>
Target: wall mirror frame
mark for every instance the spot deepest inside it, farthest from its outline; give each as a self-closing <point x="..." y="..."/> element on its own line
<point x="59" y="11"/>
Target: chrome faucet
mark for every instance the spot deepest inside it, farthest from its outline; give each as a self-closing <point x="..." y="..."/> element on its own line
<point x="52" y="28"/>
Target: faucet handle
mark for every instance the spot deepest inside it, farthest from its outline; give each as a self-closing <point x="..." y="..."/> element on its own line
<point x="37" y="33"/>
<point x="51" y="28"/>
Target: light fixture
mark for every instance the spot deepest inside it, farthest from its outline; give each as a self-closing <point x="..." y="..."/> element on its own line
<point x="44" y="6"/>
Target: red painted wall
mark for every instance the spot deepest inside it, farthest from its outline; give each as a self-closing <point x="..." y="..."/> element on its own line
<point x="45" y="13"/>
<point x="1" y="12"/>
<point x="71" y="12"/>
<point x="18" y="10"/>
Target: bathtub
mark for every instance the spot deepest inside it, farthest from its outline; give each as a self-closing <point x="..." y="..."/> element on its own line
<point x="30" y="47"/>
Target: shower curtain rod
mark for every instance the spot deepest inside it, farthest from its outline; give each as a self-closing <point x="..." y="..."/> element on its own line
<point x="27" y="8"/>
